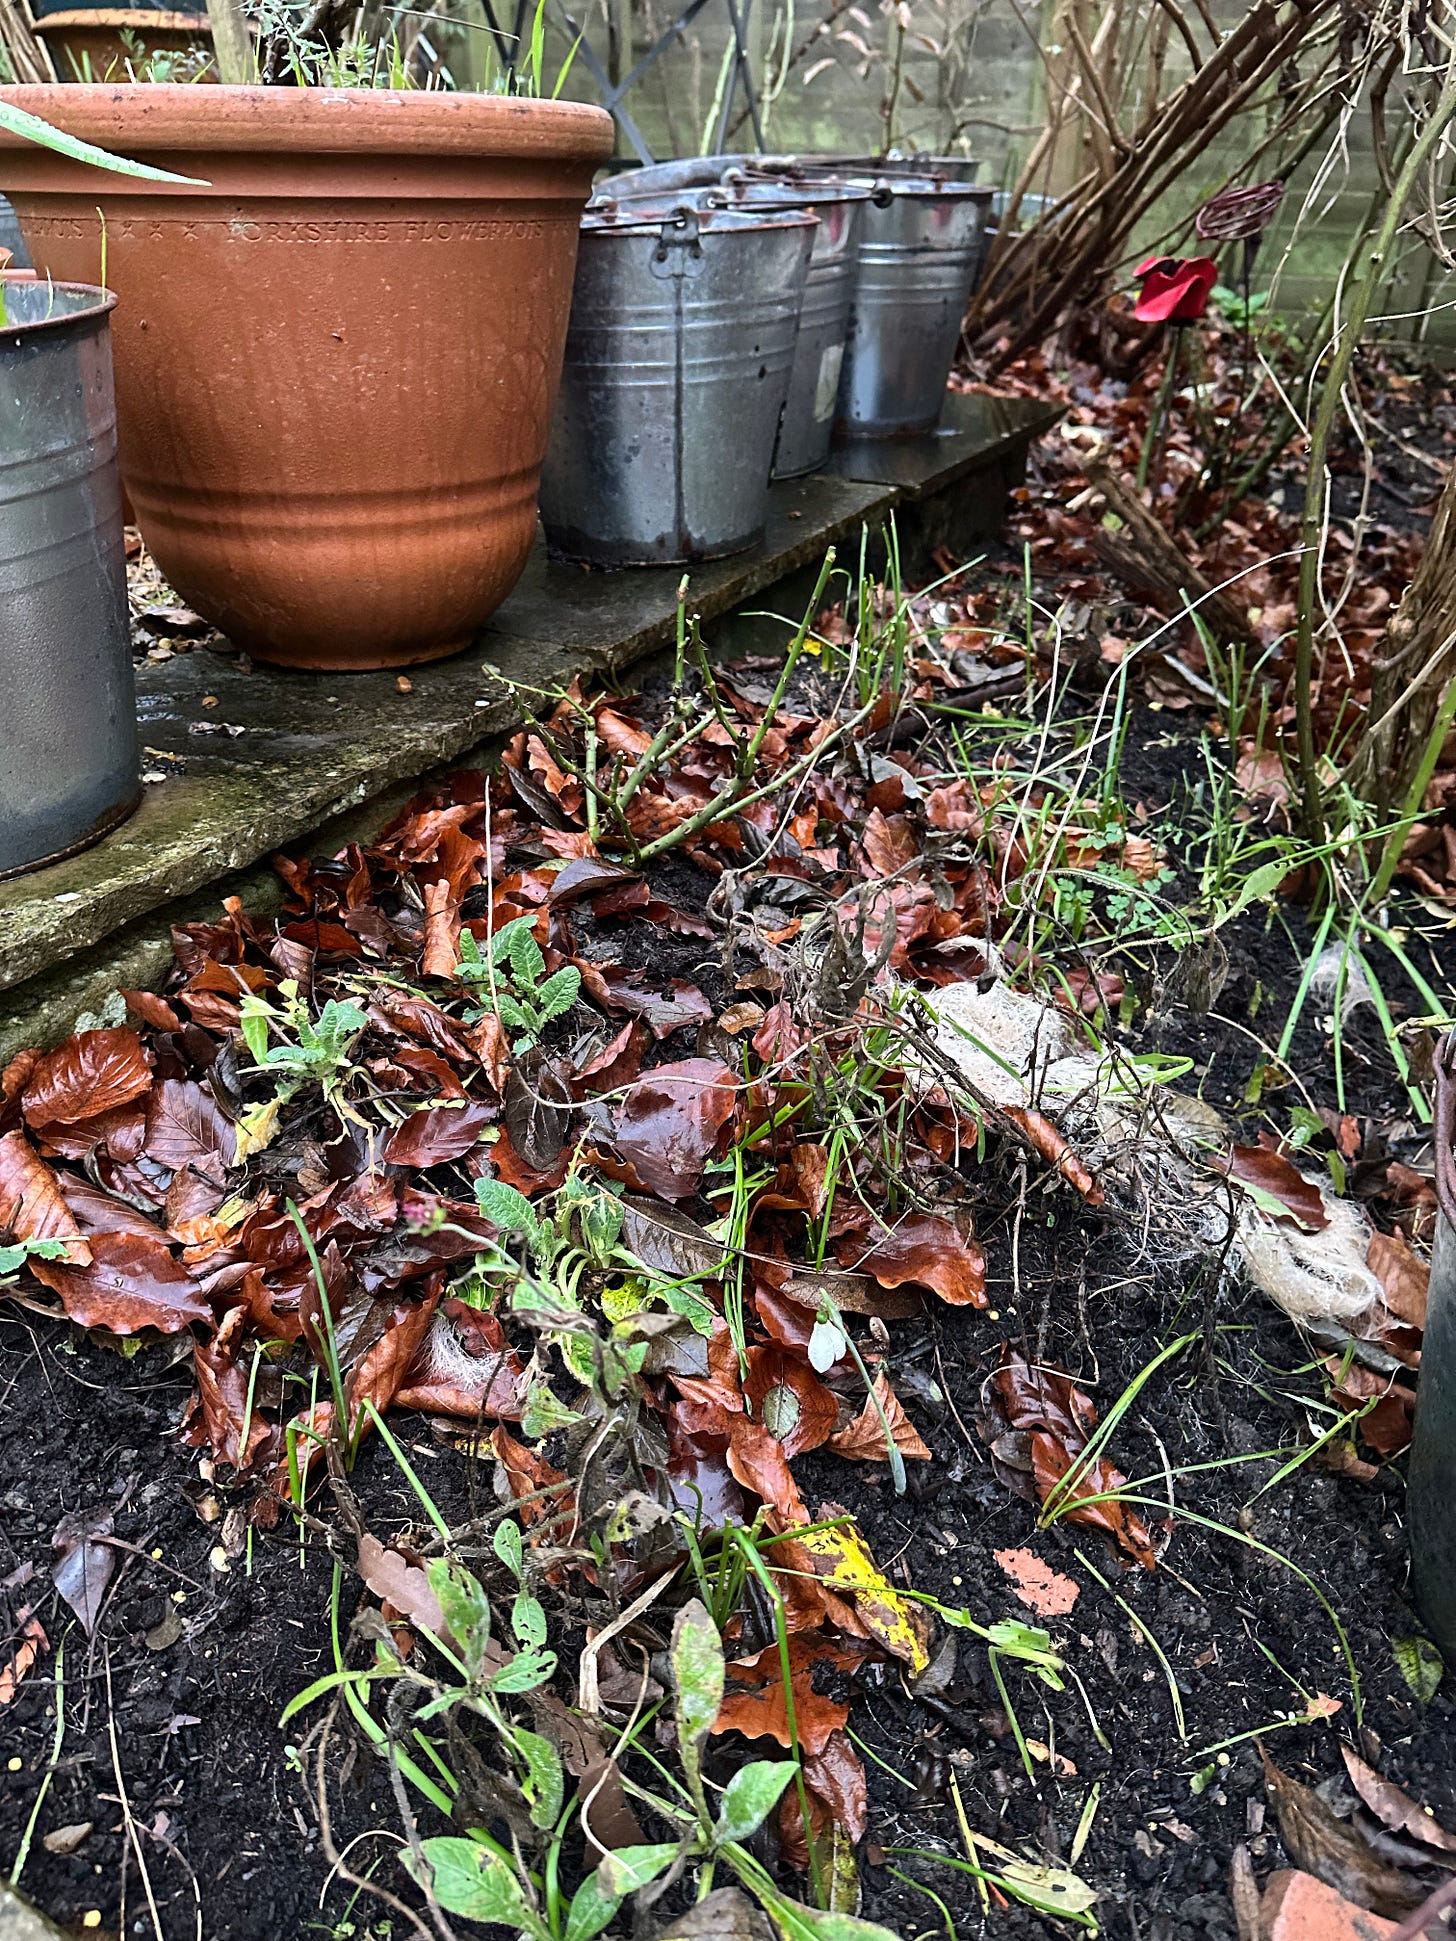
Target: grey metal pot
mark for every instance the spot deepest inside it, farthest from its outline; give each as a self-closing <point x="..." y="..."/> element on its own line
<point x="919" y="251"/>
<point x="683" y="324"/>
<point x="808" y="423"/>
<point x="11" y="238"/>
<point x="68" y="754"/>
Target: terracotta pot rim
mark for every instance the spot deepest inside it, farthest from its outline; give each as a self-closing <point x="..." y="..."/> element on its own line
<point x="75" y="18"/>
<point x="155" y="117"/>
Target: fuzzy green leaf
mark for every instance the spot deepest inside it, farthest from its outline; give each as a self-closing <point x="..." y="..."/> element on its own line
<point x="698" y="1675"/>
<point x="558" y="993"/>
<point x="525" y="1671"/>
<point x="544" y="1413"/>
<point x="471" y="1880"/>
<point x="750" y="1796"/>
<point x="466" y="1608"/>
<point x="591" y="1909"/>
<point x="528" y="1619"/>
<point x="629" y="1868"/>
<point x="506" y="1207"/>
<point x="506" y="1543"/>
<point x="543" y="1782"/>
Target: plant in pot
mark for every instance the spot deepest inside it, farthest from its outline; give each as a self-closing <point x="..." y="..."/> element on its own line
<point x="336" y="358"/>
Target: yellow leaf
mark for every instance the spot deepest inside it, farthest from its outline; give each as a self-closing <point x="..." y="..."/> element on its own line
<point x="257" y="1128"/>
<point x="842" y="1560"/>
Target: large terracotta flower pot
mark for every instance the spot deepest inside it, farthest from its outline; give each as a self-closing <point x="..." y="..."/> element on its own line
<point x="335" y="366"/>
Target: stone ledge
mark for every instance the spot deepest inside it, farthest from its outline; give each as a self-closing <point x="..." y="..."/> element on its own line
<point x="259" y="758"/>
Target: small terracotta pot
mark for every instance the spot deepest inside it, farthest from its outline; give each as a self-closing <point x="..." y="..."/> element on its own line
<point x="93" y="41"/>
<point x="336" y="365"/>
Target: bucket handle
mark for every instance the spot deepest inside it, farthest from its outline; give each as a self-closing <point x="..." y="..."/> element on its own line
<point x="679" y="250"/>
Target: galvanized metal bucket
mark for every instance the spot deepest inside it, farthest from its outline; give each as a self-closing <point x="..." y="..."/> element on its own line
<point x="683" y="324"/>
<point x="68" y="755"/>
<point x="808" y="422"/>
<point x="919" y="251"/>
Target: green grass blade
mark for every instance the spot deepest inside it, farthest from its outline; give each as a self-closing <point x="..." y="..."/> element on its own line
<point x="31" y="128"/>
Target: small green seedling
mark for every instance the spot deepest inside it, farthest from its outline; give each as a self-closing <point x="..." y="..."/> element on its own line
<point x="512" y="982"/>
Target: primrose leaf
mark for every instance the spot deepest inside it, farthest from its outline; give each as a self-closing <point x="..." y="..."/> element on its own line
<point x="750" y="1796"/>
<point x="253" y="1021"/>
<point x="698" y="1675"/>
<point x="528" y="966"/>
<point x="558" y="993"/>
<point x="691" y="1306"/>
<point x="1421" y="1666"/>
<point x="511" y="1014"/>
<point x="506" y="1207"/>
<point x="471" y="1880"/>
<point x="623" y="1872"/>
<point x="591" y="1909"/>
<point x="601" y="1215"/>
<point x="502" y="943"/>
<point x="544" y="1413"/>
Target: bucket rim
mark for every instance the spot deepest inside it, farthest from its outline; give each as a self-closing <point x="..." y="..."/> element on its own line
<point x="601" y="218"/>
<point x="12" y="329"/>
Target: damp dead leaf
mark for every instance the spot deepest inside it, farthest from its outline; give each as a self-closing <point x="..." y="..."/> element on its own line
<point x="669" y="1241"/>
<point x="396" y="1581"/>
<point x="1037" y="1585"/>
<point x="90" y="1073"/>
<point x="1045" y="1140"/>
<point x="1404" y="1277"/>
<point x="1278" y="1188"/>
<point x="1334" y="1850"/>
<point x="922" y="1250"/>
<point x="32" y="1205"/>
<point x="1397" y="1809"/>
<point x="669" y="1122"/>
<point x="187" y="1127"/>
<point x="132" y="1282"/>
<point x="791" y="1402"/>
<point x="84" y="1563"/>
<point x="753" y="1702"/>
<point x="1038" y="1424"/>
<point x="436" y="1134"/>
<point x="33" y="1641"/>
<point x="864" y="1439"/>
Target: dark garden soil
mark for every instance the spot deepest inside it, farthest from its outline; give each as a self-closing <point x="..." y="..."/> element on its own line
<point x="172" y="1784"/>
<point x="206" y="1632"/>
<point x="197" y="1681"/>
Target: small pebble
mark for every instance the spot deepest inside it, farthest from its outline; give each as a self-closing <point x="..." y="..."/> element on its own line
<point x="404" y="683"/>
<point x="91" y="1918"/>
<point x="13" y="1765"/>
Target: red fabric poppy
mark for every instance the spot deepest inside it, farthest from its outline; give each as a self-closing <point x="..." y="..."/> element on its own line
<point x="1175" y="289"/>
